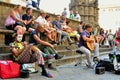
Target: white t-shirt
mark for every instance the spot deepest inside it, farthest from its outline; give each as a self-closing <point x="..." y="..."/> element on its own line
<point x="63" y="25"/>
<point x="77" y="17"/>
<point x="41" y="20"/>
<point x="110" y="36"/>
<point x="64" y="13"/>
<point x="48" y="23"/>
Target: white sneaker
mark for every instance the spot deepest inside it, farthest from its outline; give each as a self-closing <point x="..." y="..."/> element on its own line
<point x="90" y="66"/>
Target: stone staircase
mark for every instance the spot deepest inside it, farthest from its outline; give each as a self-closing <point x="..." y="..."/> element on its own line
<point x="5" y="35"/>
<point x="72" y="56"/>
<point x="69" y="55"/>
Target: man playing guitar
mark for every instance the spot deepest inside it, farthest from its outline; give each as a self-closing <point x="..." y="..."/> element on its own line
<point x="84" y="48"/>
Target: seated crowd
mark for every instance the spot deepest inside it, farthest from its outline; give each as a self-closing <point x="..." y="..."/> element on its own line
<point x="37" y="49"/>
<point x="57" y="32"/>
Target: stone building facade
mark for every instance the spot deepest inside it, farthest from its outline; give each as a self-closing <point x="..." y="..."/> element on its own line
<point x="88" y="9"/>
<point x="111" y="15"/>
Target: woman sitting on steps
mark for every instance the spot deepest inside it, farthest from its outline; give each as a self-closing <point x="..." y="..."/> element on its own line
<point x="14" y="22"/>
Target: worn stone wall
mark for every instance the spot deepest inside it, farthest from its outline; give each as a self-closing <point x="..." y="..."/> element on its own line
<point x="6" y="7"/>
<point x="88" y="9"/>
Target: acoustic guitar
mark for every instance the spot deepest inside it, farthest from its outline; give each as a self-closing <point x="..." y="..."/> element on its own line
<point x="90" y="45"/>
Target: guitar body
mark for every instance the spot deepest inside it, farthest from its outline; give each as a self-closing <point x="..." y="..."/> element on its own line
<point x="90" y="45"/>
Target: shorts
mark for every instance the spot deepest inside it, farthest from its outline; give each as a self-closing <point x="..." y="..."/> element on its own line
<point x="12" y="27"/>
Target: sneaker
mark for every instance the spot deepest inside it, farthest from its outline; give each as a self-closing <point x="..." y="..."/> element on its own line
<point x="53" y="42"/>
<point x="58" y="43"/>
<point x="95" y="59"/>
<point x="50" y="56"/>
<point x="58" y="56"/>
<point x="89" y="66"/>
<point x="68" y="48"/>
<point x="70" y="43"/>
<point x="47" y="75"/>
<point x="51" y="67"/>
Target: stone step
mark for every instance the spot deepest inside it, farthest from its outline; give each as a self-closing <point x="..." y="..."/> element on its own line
<point x="5" y="56"/>
<point x="61" y="52"/>
<point x="58" y="47"/>
<point x="104" y="46"/>
<point x="75" y="58"/>
<point x="5" y="49"/>
<point x="64" y="60"/>
<point x="72" y="52"/>
<point x="73" y="46"/>
<point x="65" y="47"/>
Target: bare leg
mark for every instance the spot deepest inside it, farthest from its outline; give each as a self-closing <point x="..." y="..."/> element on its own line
<point x="101" y="40"/>
<point x="31" y="29"/>
<point x="41" y="61"/>
<point x="48" y="35"/>
<point x="38" y="55"/>
<point x="20" y="29"/>
<point x="53" y="35"/>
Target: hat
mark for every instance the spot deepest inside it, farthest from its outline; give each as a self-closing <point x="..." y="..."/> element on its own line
<point x="42" y="12"/>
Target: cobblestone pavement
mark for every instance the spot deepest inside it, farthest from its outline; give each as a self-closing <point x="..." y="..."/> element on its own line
<point x="70" y="72"/>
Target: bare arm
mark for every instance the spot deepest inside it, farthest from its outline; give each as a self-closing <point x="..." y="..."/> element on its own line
<point x="13" y="14"/>
<point x="16" y="52"/>
<point x="29" y="21"/>
<point x="47" y="30"/>
<point x="42" y="42"/>
<point x="87" y="39"/>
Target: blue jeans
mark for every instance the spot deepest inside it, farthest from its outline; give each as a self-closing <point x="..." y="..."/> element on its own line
<point x="62" y="36"/>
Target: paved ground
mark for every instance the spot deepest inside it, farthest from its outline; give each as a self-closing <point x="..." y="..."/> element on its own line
<point x="70" y="72"/>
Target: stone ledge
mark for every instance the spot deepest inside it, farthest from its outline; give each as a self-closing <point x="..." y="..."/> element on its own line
<point x="2" y="30"/>
<point x="6" y="36"/>
<point x="75" y="58"/>
<point x="5" y="56"/>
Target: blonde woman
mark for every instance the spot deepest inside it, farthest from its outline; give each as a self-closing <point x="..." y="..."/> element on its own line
<point x="19" y="23"/>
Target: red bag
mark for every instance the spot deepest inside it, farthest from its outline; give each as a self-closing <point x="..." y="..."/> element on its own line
<point x="9" y="69"/>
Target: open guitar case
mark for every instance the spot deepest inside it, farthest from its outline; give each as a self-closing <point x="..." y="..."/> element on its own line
<point x="116" y="61"/>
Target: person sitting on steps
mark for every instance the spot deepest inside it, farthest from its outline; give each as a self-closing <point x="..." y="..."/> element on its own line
<point x="41" y="19"/>
<point x="27" y="53"/>
<point x="29" y="19"/>
<point x="62" y="35"/>
<point x="19" y="25"/>
<point x="36" y="39"/>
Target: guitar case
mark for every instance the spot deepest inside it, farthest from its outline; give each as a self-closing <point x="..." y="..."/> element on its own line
<point x="117" y="71"/>
<point x="108" y="65"/>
